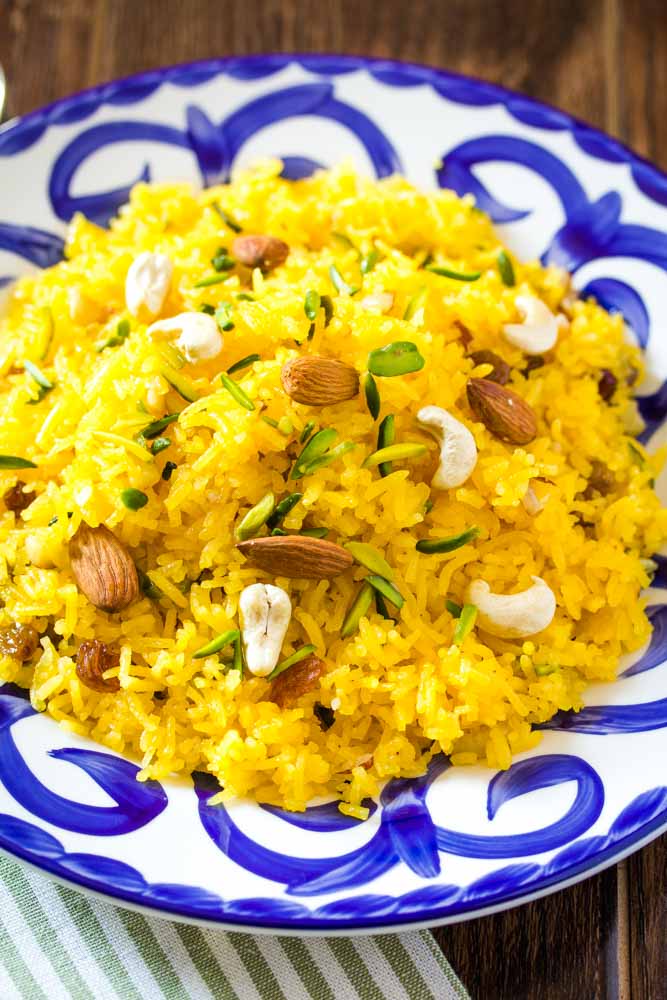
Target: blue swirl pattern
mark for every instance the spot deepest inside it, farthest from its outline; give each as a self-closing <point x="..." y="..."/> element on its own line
<point x="402" y="833"/>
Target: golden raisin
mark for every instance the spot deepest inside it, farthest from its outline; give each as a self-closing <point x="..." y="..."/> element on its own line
<point x="19" y="641"/>
<point x="289" y="686"/>
<point x="92" y="660"/>
<point x="601" y="480"/>
<point x="16" y="499"/>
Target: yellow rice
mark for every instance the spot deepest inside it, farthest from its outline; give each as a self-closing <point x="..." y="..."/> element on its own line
<point x="402" y="691"/>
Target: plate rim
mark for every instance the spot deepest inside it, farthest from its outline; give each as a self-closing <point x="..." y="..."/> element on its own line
<point x="89" y="100"/>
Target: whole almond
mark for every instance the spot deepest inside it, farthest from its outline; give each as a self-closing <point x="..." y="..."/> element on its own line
<point x="319" y="381"/>
<point x="297" y="556"/>
<point x="265" y="252"/>
<point x="502" y="411"/>
<point x="103" y="568"/>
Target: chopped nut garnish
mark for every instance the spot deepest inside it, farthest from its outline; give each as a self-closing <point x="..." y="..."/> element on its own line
<point x="501" y="370"/>
<point x="103" y="568"/>
<point x="19" y="641"/>
<point x="607" y="385"/>
<point x="289" y="686"/>
<point x="93" y="659"/>
<point x="16" y="499"/>
<point x="265" y="252"/>
<point x="503" y="412"/>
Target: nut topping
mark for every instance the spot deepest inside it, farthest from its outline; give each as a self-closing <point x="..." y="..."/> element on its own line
<point x="17" y="499"/>
<point x="265" y="252"/>
<point x="502" y="411"/>
<point x="103" y="568"/>
<point x="297" y="556"/>
<point x="318" y="381"/>
<point x="501" y="370"/>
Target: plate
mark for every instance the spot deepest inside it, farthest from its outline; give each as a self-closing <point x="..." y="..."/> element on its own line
<point x="458" y="842"/>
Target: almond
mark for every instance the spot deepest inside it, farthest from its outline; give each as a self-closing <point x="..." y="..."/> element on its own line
<point x="296" y="556"/>
<point x="502" y="411"/>
<point x="319" y="381"/>
<point x="265" y="252"/>
<point x="103" y="568"/>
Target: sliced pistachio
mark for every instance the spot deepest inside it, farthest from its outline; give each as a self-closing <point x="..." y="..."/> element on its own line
<point x="369" y="557"/>
<point x="387" y="590"/>
<point x="215" y="645"/>
<point x="465" y="623"/>
<point x="395" y="453"/>
<point x="358" y="609"/>
<point x="256" y="517"/>
<point x="372" y="396"/>
<point x="431" y="546"/>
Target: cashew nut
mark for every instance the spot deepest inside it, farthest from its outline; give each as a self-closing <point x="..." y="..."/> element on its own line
<point x="378" y="302"/>
<point x="513" y="615"/>
<point x="147" y="282"/>
<point x="265" y="613"/>
<point x="199" y="340"/>
<point x="458" y="451"/>
<point x="538" y="332"/>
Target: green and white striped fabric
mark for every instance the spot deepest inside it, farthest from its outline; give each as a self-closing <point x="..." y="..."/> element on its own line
<point x="57" y="944"/>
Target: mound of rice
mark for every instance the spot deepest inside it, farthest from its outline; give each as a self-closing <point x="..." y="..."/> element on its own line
<point x="403" y="690"/>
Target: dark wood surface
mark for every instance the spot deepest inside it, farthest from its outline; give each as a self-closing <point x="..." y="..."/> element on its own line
<point x="604" y="61"/>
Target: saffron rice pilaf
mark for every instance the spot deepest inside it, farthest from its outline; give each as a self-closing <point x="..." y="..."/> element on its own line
<point x="181" y="376"/>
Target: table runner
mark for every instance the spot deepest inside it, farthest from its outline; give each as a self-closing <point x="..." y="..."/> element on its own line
<point x="59" y="944"/>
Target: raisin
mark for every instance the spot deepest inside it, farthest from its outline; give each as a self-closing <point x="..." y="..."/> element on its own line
<point x="92" y="660"/>
<point x="601" y="480"/>
<point x="532" y="364"/>
<point x="324" y="715"/>
<point x="289" y="686"/>
<point x="607" y="384"/>
<point x="16" y="499"/>
<point x="19" y="641"/>
<point x="501" y="370"/>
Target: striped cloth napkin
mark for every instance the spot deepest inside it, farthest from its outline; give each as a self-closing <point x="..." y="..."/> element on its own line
<point x="57" y="944"/>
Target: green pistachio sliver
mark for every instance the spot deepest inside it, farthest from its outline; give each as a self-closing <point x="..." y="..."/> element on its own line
<point x="428" y="506"/>
<point x="279" y="531"/>
<point x="398" y="358"/>
<point x="369" y="557"/>
<point x="115" y="339"/>
<point x="237" y="663"/>
<point x="328" y="307"/>
<point x="159" y="444"/>
<point x="395" y="453"/>
<point x="181" y="383"/>
<point x="283" y="508"/>
<point x="311" y="332"/>
<point x="235" y="390"/>
<point x="212" y="279"/>
<point x="243" y="363"/>
<point x="446" y="272"/>
<point x="372" y="396"/>
<point x="345" y="242"/>
<point x="358" y="609"/>
<point x="453" y="608"/>
<point x="307" y="431"/>
<point x="222" y="261"/>
<point x="296" y="657"/>
<point x="386" y="436"/>
<point x="506" y="269"/>
<point x="416" y="305"/>
<point x="38" y="376"/>
<point x="14" y="462"/>
<point x="270" y="421"/>
<point x="339" y="282"/>
<point x="329" y="457"/>
<point x="430" y="546"/>
<point x="133" y="499"/>
<point x="285" y="426"/>
<point x="369" y="261"/>
<point x="256" y="517"/>
<point x="215" y="645"/>
<point x="544" y="669"/>
<point x="226" y="217"/>
<point x="381" y="607"/>
<point x="465" y="623"/>
<point x="315" y="532"/>
<point x="318" y="445"/>
<point x="311" y="305"/>
<point x="207" y="308"/>
<point x="155" y="428"/>
<point x="223" y="316"/>
<point x="387" y="590"/>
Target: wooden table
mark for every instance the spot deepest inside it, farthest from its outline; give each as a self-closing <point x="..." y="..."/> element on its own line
<point x="603" y="60"/>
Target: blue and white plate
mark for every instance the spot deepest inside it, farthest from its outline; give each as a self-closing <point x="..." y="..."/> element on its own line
<point x="460" y="841"/>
